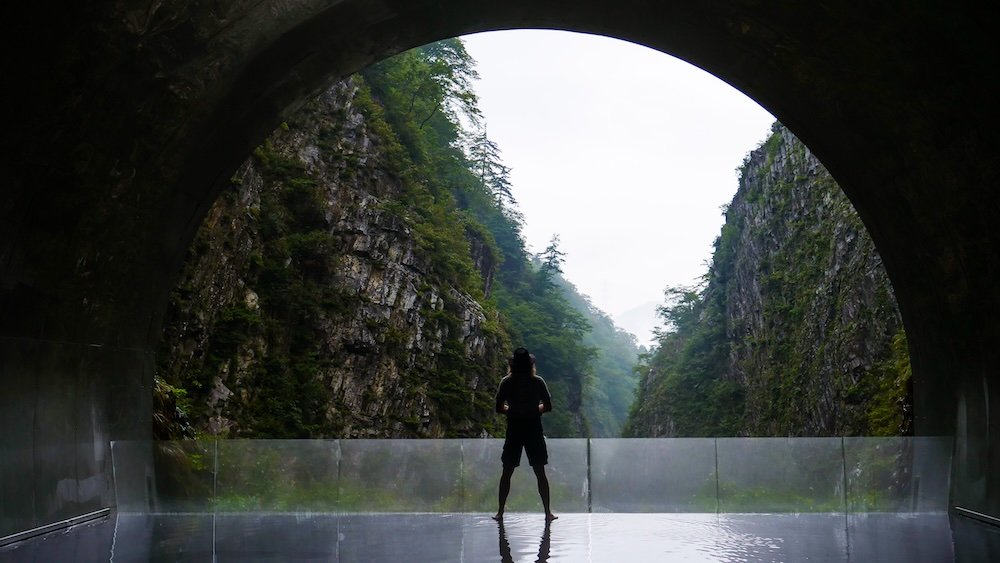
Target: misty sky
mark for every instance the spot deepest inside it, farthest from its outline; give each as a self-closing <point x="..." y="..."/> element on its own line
<point x="625" y="152"/>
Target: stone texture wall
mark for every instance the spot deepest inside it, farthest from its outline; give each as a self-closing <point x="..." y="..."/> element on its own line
<point x="384" y="331"/>
<point x="810" y="309"/>
<point x="797" y="331"/>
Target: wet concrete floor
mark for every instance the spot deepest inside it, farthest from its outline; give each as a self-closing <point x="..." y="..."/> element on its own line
<point x="435" y="537"/>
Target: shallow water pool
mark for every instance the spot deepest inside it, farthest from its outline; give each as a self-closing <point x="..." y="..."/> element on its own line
<point x="435" y="537"/>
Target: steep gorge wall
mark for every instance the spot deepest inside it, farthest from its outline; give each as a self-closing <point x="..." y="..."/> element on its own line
<point x="310" y="307"/>
<point x="797" y="329"/>
<point x="812" y="316"/>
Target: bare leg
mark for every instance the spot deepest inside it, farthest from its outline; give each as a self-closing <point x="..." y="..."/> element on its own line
<point x="543" y="491"/>
<point x="504" y="490"/>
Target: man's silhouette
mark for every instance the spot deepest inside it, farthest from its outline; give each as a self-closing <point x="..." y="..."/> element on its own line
<point x="523" y="397"/>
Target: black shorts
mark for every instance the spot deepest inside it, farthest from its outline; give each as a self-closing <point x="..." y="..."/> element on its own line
<point x="524" y="433"/>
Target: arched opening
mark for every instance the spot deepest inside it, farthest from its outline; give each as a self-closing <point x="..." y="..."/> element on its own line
<point x="290" y="157"/>
<point x="744" y="455"/>
<point x="304" y="59"/>
<point x="615" y="175"/>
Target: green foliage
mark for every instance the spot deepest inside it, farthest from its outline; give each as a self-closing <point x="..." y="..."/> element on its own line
<point x="171" y="405"/>
<point x="237" y="324"/>
<point x="422" y="158"/>
<point x="257" y="476"/>
<point x="493" y="175"/>
<point x="275" y="165"/>
<point x="535" y="312"/>
<point x="892" y="404"/>
<point x="433" y="172"/>
<point x="540" y="316"/>
<point x="774" y="499"/>
<point x="691" y="367"/>
<point x="281" y="396"/>
<point x="772" y="145"/>
<point x="609" y="387"/>
<point x="792" y="332"/>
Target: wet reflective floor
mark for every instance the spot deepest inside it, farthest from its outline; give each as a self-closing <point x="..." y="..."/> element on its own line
<point x="434" y="537"/>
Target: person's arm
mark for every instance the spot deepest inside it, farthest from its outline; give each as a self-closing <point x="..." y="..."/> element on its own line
<point x="546" y="403"/>
<point x="501" y="399"/>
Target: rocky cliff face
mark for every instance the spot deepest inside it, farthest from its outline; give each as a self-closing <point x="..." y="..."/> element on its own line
<point x="799" y="314"/>
<point x="310" y="306"/>
<point x="812" y="316"/>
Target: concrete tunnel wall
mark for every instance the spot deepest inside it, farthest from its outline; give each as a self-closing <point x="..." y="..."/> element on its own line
<point x="126" y="119"/>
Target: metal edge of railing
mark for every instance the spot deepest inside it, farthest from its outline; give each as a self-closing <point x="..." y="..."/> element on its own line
<point x="590" y="493"/>
<point x="54" y="526"/>
<point x="984" y="518"/>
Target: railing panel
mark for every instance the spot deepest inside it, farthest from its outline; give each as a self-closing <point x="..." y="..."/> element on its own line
<point x="932" y="466"/>
<point x="481" y="474"/>
<point x="897" y="474"/>
<point x="185" y="476"/>
<point x="134" y="475"/>
<point x="277" y="476"/>
<point x="653" y="475"/>
<point x="781" y="474"/>
<point x="566" y="472"/>
<point x="734" y="475"/>
<point x="400" y="476"/>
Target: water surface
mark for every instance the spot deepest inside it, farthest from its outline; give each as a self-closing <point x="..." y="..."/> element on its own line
<point x="523" y="537"/>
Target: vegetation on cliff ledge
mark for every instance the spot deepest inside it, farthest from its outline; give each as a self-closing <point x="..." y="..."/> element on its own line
<point x="794" y="330"/>
<point x="388" y="178"/>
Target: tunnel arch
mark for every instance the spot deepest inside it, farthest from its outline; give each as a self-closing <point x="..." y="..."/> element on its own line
<point x="768" y="57"/>
<point x="891" y="99"/>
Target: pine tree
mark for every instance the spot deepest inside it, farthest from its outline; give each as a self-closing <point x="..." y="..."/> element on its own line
<point x="493" y="174"/>
<point x="552" y="260"/>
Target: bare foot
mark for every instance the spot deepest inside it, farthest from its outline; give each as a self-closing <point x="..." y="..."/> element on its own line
<point x="550" y="517"/>
<point x="498" y="516"/>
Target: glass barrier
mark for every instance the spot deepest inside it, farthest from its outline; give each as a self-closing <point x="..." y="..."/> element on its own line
<point x="781" y="474"/>
<point x="897" y="474"/>
<point x="400" y="476"/>
<point x="133" y="474"/>
<point x="184" y="476"/>
<point x="699" y="475"/>
<point x="566" y="472"/>
<point x="481" y="475"/>
<point x="277" y="475"/>
<point x="653" y="475"/>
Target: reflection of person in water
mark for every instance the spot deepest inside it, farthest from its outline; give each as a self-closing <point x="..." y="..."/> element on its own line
<point x="543" y="547"/>
<point x="523" y="397"/>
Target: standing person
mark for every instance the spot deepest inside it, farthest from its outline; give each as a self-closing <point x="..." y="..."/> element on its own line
<point x="523" y="397"/>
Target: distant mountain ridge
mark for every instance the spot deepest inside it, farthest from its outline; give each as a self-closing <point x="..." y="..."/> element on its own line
<point x="640" y="320"/>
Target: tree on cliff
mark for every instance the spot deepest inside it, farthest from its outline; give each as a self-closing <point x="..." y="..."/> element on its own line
<point x="494" y="175"/>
